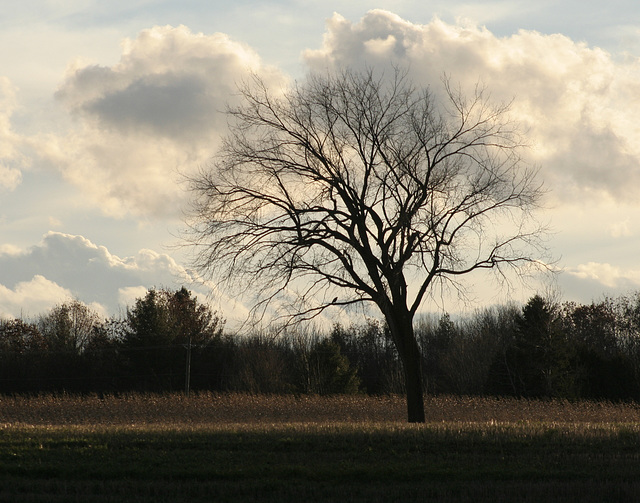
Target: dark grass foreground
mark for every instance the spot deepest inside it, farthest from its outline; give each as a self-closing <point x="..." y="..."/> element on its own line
<point x="544" y="459"/>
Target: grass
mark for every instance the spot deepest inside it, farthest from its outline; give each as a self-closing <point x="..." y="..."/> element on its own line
<point x="282" y="448"/>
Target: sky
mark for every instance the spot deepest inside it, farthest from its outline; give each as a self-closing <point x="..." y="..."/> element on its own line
<point x="104" y="106"/>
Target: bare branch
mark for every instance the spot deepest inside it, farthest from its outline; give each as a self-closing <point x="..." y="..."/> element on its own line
<point x="351" y="183"/>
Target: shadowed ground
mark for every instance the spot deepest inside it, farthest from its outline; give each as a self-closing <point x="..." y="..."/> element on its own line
<point x="453" y="460"/>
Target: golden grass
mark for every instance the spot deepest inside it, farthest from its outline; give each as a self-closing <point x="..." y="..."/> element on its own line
<point x="219" y="409"/>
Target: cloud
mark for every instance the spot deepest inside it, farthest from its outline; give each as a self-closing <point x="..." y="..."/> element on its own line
<point x="30" y="298"/>
<point x="576" y="103"/>
<point x="156" y="113"/>
<point x="9" y="249"/>
<point x="12" y="161"/>
<point x="88" y="271"/>
<point x="67" y="266"/>
<point x="169" y="82"/>
<point x="607" y="275"/>
<point x="621" y="229"/>
<point x="128" y="295"/>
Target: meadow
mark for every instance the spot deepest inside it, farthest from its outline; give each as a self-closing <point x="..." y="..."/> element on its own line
<point x="239" y="447"/>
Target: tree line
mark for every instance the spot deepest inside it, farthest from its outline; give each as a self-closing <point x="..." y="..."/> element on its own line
<point x="168" y="341"/>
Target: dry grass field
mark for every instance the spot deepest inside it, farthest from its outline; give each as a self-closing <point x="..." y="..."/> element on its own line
<point x="217" y="409"/>
<point x="217" y="447"/>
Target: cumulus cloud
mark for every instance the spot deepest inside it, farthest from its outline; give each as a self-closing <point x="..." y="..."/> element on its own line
<point x="87" y="271"/>
<point x="12" y="161"/>
<point x="575" y="102"/>
<point x="30" y="298"/>
<point x="157" y="112"/>
<point x="64" y="266"/>
<point x="607" y="275"/>
<point x="592" y="281"/>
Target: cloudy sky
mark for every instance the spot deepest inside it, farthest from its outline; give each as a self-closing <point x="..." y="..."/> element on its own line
<point x="104" y="104"/>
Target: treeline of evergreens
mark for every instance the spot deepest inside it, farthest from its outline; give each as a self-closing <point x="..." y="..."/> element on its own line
<point x="168" y="341"/>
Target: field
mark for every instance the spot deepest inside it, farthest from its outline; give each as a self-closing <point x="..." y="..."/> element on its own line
<point x="208" y="447"/>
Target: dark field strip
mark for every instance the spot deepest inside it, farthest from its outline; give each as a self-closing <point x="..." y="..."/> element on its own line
<point x="361" y="462"/>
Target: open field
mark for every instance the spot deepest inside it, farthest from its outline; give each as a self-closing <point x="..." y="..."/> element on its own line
<point x="283" y="448"/>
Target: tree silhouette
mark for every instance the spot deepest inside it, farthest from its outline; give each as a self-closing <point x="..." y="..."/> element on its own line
<point x="157" y="330"/>
<point x="356" y="187"/>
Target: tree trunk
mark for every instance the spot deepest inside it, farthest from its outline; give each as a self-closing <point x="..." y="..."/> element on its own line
<point x="413" y="383"/>
<point x="401" y="328"/>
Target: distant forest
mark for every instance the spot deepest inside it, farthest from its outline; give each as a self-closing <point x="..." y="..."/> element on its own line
<point x="168" y="341"/>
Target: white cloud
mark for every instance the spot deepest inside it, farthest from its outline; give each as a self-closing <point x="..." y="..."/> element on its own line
<point x="65" y="266"/>
<point x="30" y="298"/>
<point x="128" y="295"/>
<point x="12" y="160"/>
<point x="89" y="271"/>
<point x="8" y="249"/>
<point x="578" y="106"/>
<point x="154" y="114"/>
<point x="607" y="275"/>
<point x="591" y="281"/>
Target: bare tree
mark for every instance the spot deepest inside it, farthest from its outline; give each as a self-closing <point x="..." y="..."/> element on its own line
<point x="357" y="187"/>
<point x="70" y="326"/>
